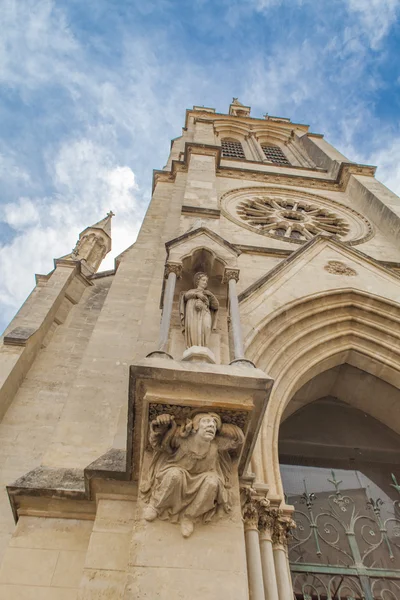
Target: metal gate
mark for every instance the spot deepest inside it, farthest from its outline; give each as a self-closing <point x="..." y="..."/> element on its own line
<point x="346" y="545"/>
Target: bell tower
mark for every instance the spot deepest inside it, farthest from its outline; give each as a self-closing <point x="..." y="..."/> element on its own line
<point x="217" y="417"/>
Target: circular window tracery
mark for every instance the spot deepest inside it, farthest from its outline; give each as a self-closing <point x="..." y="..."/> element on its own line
<point x="294" y="216"/>
<point x="289" y="218"/>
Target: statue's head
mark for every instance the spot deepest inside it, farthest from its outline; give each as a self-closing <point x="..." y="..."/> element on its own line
<point x="206" y="425"/>
<point x="200" y="280"/>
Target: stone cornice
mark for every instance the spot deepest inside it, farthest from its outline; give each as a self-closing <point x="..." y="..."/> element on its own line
<point x="205" y="230"/>
<point x="213" y="213"/>
<point x="288" y="179"/>
<point x="271" y="177"/>
<point x="212" y="116"/>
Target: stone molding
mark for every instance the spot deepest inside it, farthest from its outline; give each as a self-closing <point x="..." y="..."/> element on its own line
<point x="339" y="184"/>
<point x="211" y="213"/>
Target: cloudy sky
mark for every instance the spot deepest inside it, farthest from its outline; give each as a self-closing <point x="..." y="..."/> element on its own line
<point x="92" y="92"/>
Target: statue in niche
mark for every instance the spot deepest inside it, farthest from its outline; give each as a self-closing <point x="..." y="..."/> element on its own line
<point x="188" y="478"/>
<point x="198" y="310"/>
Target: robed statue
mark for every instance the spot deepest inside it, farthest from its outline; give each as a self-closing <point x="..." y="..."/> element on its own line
<point x="198" y="310"/>
<point x="188" y="478"/>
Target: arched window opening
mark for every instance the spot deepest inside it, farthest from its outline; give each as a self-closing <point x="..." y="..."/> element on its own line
<point x="274" y="154"/>
<point x="340" y="469"/>
<point x="232" y="149"/>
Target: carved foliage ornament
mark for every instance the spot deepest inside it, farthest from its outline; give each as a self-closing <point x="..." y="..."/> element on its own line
<point x="258" y="514"/>
<point x="188" y="478"/>
<point x="176" y="268"/>
<point x="336" y="267"/>
<point x="230" y="274"/>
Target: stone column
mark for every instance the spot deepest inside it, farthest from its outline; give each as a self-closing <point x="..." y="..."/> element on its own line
<point x="258" y="151"/>
<point x="282" y="528"/>
<point x="266" y="522"/>
<point x="172" y="272"/>
<point x="231" y="276"/>
<point x="253" y="555"/>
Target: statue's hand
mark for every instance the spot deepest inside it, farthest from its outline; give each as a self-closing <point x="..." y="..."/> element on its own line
<point x="201" y="296"/>
<point x="163" y="420"/>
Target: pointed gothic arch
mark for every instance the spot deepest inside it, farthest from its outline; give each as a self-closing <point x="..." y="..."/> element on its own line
<point x="311" y="335"/>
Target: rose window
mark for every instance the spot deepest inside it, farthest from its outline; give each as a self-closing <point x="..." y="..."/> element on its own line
<point x="290" y="218"/>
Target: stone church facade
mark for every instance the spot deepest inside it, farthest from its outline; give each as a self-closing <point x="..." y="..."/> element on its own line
<point x="218" y="416"/>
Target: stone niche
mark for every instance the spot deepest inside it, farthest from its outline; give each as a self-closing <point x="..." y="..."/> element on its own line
<point x="167" y="559"/>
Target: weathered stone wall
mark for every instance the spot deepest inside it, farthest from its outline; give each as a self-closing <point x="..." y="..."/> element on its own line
<point x="29" y="426"/>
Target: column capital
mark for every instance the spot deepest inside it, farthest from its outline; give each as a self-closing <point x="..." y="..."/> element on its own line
<point x="230" y="273"/>
<point x="254" y="508"/>
<point x="173" y="267"/>
<point x="283" y="525"/>
<point x="266" y="518"/>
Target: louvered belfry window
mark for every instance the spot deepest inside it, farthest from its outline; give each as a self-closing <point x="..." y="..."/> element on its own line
<point x="232" y="149"/>
<point x="275" y="155"/>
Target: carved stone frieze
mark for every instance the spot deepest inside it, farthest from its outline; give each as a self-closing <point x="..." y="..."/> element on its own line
<point x="181" y="413"/>
<point x="336" y="267"/>
<point x="188" y="479"/>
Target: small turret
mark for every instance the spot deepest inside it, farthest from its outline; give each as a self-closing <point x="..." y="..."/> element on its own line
<point x="93" y="244"/>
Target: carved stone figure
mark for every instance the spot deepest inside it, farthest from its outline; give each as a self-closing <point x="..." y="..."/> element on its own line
<point x="188" y="478"/>
<point x="198" y="310"/>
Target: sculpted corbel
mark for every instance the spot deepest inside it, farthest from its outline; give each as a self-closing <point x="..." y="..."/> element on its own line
<point x="188" y="478"/>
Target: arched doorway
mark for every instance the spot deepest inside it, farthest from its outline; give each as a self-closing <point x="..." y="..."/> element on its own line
<point x="340" y="469"/>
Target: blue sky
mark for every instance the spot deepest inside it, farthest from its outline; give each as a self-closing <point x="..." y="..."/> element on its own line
<point x="92" y="92"/>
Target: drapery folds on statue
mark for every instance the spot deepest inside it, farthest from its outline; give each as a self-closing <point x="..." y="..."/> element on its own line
<point x="198" y="310"/>
<point x="189" y="474"/>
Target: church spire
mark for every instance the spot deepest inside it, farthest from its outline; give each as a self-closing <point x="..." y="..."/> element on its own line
<point x="104" y="224"/>
<point x="93" y="244"/>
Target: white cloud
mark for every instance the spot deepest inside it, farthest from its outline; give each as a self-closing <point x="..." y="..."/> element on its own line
<point x="88" y="183"/>
<point x="375" y="17"/>
<point x="387" y="158"/>
<point x="35" y="43"/>
<point x="21" y="214"/>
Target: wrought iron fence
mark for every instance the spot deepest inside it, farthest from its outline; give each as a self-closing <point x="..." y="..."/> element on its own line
<point x="346" y="545"/>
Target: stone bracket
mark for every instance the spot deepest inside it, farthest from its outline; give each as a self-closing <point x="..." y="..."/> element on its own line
<point x="239" y="394"/>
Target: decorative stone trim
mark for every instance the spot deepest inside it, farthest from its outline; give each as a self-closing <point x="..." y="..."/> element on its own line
<point x="283" y="525"/>
<point x="306" y="213"/>
<point x="230" y="274"/>
<point x="181" y="413"/>
<point x="336" y="267"/>
<point x="171" y="267"/>
<point x="249" y="502"/>
<point x="290" y="179"/>
<point x="258" y="514"/>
